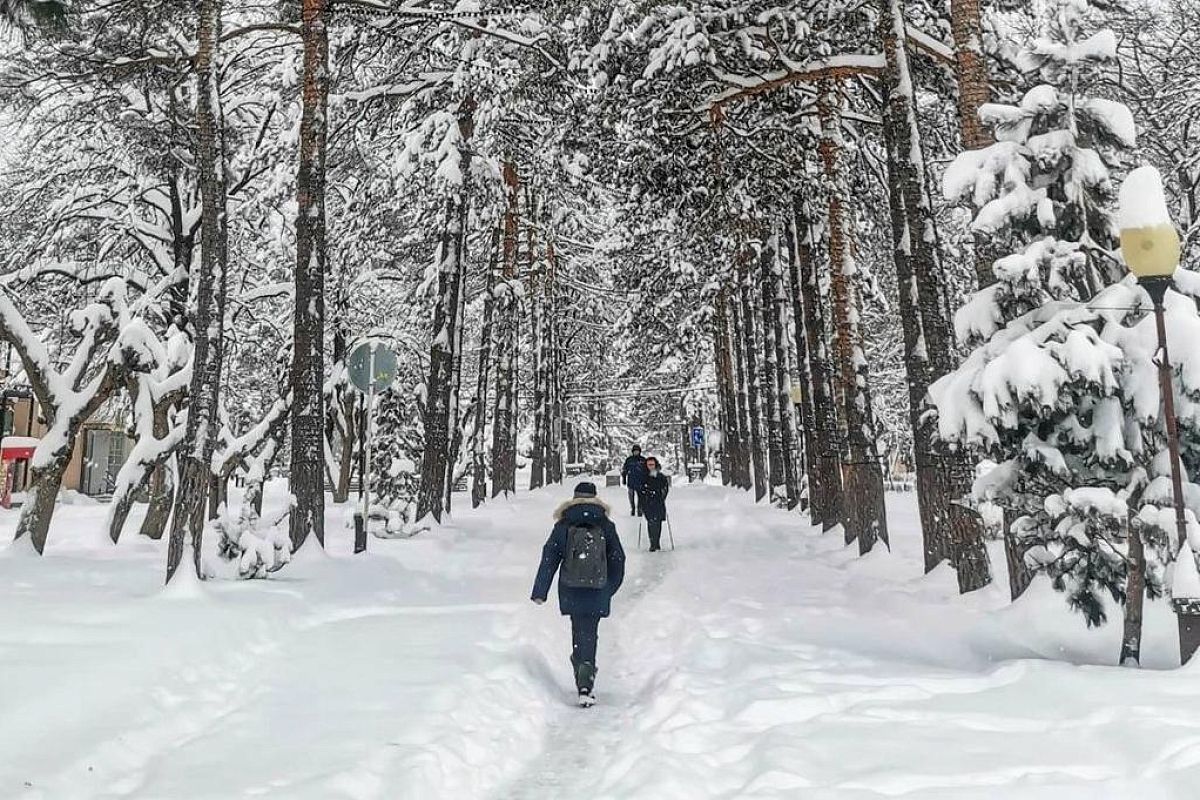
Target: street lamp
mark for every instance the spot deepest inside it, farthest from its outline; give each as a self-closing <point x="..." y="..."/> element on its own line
<point x="1150" y="245"/>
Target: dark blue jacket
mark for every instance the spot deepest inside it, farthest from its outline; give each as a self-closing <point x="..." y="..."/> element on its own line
<point x="654" y="497"/>
<point x="580" y="602"/>
<point x="634" y="472"/>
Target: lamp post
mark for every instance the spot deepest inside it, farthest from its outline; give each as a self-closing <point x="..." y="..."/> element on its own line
<point x="1150" y="245"/>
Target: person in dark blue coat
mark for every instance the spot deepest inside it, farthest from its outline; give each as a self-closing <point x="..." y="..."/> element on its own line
<point x="654" y="501"/>
<point x="633" y="475"/>
<point x="585" y="606"/>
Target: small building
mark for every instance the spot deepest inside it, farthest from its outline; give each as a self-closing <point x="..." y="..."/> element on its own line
<point x="99" y="452"/>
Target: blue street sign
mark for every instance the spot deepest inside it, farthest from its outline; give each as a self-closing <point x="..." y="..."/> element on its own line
<point x="697" y="436"/>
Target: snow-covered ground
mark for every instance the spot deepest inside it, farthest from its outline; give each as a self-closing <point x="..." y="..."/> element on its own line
<point x="760" y="659"/>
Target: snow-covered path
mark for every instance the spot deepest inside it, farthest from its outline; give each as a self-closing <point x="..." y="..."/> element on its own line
<point x="761" y="659"/>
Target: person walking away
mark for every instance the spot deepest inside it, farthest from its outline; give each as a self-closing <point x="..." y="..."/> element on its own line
<point x="654" y="493"/>
<point x="633" y="475"/>
<point x="586" y="552"/>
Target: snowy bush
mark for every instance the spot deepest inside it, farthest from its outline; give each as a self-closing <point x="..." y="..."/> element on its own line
<point x="395" y="454"/>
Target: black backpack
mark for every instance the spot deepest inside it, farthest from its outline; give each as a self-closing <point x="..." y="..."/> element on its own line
<point x="585" y="562"/>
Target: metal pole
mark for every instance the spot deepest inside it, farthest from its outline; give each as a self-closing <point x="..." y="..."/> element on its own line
<point x="360" y="536"/>
<point x="1185" y="608"/>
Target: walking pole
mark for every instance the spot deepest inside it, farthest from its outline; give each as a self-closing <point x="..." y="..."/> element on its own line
<point x="639" y="534"/>
<point x="670" y="533"/>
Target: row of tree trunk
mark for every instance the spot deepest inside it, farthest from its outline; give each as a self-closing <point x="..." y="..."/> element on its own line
<point x="837" y="430"/>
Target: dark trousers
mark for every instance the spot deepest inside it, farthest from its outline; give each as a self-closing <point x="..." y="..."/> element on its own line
<point x="584" y="633"/>
<point x="654" y="526"/>
<point x="634" y="501"/>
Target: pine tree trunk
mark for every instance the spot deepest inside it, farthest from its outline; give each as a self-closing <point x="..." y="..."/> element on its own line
<point x="1135" y="597"/>
<point x="504" y="439"/>
<point x="537" y="465"/>
<point x="826" y="490"/>
<point x="554" y="419"/>
<point x="479" y="453"/>
<point x="307" y="483"/>
<point x="798" y="249"/>
<point x="727" y="392"/>
<point x="950" y="531"/>
<point x="439" y="385"/>
<point x="974" y="90"/>
<point x="203" y="419"/>
<point x="751" y="349"/>
<point x="460" y="310"/>
<point x="783" y="397"/>
<point x="445" y="357"/>
<point x="768" y="378"/>
<point x="864" y="514"/>
<point x="741" y="361"/>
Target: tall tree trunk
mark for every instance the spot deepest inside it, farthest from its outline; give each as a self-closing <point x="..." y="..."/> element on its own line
<point x="479" y="447"/>
<point x="751" y="347"/>
<point x="537" y="310"/>
<point x="504" y="439"/>
<point x="789" y="436"/>
<point x="825" y="488"/>
<point x="554" y="382"/>
<point x="744" y="472"/>
<point x="340" y="423"/>
<point x="767" y="257"/>
<point x="460" y="306"/>
<point x="864" y="514"/>
<point x="441" y="394"/>
<point x="943" y="476"/>
<point x="307" y="483"/>
<point x="1135" y="598"/>
<point x="203" y="419"/>
<point x="727" y="392"/>
<point x="808" y="421"/>
<point x="970" y="70"/>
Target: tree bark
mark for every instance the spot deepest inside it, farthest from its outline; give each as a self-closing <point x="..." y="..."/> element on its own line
<point x="750" y="348"/>
<point x="727" y="393"/>
<point x="441" y="392"/>
<point x="949" y="530"/>
<point x="805" y="434"/>
<point x="974" y="90"/>
<point x="768" y="379"/>
<point x="504" y="439"/>
<point x="479" y="452"/>
<point x="864" y="514"/>
<point x="825" y="489"/>
<point x="741" y="362"/>
<point x="306" y="482"/>
<point x="203" y="421"/>
<point x="790" y="438"/>
<point x="1135" y="598"/>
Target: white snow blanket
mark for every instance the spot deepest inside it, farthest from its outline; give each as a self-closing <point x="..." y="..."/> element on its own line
<point x="761" y="659"/>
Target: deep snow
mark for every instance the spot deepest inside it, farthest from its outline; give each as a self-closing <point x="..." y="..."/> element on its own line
<point x="761" y="659"/>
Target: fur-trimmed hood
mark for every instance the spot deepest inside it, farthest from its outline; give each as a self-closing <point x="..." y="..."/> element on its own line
<point x="580" y="501"/>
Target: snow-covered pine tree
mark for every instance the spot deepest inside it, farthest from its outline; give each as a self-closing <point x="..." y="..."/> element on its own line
<point x="1060" y="387"/>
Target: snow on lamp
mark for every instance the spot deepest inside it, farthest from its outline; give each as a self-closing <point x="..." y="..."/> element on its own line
<point x="1149" y="241"/>
<point x="1151" y="248"/>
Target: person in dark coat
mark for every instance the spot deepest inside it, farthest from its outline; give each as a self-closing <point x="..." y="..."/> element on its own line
<point x="633" y="475"/>
<point x="654" y="501"/>
<point x="585" y="607"/>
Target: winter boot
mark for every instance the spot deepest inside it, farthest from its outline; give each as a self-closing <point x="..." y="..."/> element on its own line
<point x="585" y="678"/>
<point x="654" y="544"/>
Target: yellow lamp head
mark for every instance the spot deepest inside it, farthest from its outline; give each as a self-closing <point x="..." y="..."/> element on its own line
<point x="1151" y="252"/>
<point x="1149" y="241"/>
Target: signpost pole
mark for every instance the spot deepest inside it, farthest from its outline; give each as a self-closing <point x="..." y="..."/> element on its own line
<point x="360" y="536"/>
